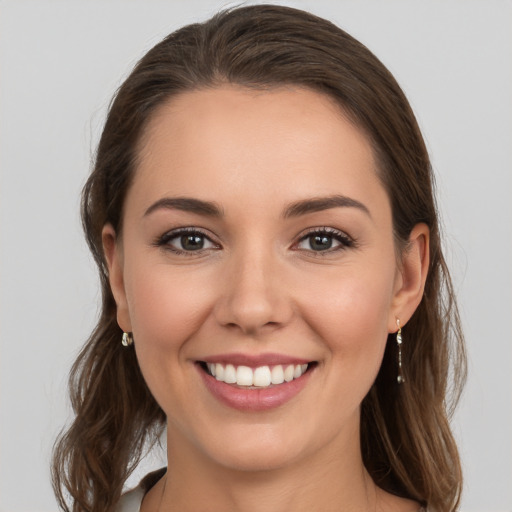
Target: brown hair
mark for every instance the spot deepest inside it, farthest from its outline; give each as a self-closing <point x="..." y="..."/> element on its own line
<point x="406" y="440"/>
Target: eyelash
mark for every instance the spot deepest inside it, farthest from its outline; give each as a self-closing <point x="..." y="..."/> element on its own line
<point x="344" y="240"/>
<point x="164" y="240"/>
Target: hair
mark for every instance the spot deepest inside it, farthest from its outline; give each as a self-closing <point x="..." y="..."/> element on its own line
<point x="406" y="442"/>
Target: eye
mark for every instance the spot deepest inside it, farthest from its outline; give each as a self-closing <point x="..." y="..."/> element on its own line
<point x="324" y="240"/>
<point x="186" y="240"/>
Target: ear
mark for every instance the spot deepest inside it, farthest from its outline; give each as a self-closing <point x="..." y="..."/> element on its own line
<point x="411" y="277"/>
<point x="114" y="255"/>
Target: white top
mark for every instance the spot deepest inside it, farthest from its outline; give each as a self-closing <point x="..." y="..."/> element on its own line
<point x="132" y="500"/>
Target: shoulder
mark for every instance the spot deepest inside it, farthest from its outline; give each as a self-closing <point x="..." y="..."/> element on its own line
<point x="132" y="500"/>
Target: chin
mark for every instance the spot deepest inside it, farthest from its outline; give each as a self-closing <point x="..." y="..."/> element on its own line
<point x="255" y="459"/>
<point x="259" y="447"/>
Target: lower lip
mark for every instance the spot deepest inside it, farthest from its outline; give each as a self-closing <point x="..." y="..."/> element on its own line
<point x="254" y="399"/>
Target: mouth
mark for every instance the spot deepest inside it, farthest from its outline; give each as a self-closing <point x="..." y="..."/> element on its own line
<point x="255" y="383"/>
<point x="257" y="378"/>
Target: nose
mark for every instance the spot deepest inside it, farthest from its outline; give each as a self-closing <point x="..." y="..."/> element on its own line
<point x="254" y="298"/>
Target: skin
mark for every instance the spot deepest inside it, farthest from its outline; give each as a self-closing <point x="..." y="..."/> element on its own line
<point x="258" y="286"/>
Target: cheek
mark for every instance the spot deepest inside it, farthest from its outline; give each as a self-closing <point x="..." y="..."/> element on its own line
<point x="166" y="309"/>
<point x="165" y="305"/>
<point x="350" y="314"/>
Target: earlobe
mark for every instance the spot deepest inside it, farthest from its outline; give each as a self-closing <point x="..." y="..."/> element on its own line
<point x="114" y="258"/>
<point x="412" y="276"/>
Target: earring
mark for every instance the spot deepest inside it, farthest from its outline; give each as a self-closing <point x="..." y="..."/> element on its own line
<point x="400" y="379"/>
<point x="127" y="339"/>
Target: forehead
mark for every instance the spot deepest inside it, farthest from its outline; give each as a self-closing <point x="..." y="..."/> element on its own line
<point x="287" y="143"/>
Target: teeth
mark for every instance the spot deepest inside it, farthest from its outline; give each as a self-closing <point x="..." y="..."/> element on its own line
<point x="278" y="374"/>
<point x="230" y="374"/>
<point x="244" y="376"/>
<point x="288" y="373"/>
<point x="260" y="377"/>
<point x="219" y="372"/>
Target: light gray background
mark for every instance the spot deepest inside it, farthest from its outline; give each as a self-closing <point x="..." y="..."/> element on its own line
<point x="61" y="62"/>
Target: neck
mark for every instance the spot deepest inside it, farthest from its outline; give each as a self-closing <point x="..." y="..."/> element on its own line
<point x="332" y="479"/>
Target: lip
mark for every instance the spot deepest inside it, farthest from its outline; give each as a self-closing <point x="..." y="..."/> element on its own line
<point x="254" y="400"/>
<point x="256" y="360"/>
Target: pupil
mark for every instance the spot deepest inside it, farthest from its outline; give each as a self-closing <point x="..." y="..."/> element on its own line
<point x="321" y="242"/>
<point x="192" y="242"/>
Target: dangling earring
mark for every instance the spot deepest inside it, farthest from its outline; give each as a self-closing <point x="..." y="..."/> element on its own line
<point x="400" y="379"/>
<point x="127" y="339"/>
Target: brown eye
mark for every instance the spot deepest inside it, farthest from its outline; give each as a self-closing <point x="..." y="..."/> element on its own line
<point x="325" y="240"/>
<point x="192" y="242"/>
<point x="187" y="240"/>
<point x="320" y="242"/>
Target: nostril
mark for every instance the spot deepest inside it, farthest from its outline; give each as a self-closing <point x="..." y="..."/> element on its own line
<point x="251" y="304"/>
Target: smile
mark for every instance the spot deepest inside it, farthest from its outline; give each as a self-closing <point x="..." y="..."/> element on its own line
<point x="250" y="385"/>
<point x="257" y="378"/>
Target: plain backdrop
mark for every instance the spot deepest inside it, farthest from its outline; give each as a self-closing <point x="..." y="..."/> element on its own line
<point x="61" y="61"/>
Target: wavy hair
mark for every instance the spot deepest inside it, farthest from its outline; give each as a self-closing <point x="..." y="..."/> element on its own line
<point x="406" y="441"/>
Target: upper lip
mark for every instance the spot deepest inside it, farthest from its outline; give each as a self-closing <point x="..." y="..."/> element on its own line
<point x="255" y="360"/>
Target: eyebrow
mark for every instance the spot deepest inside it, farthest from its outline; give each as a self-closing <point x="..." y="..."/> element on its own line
<point x="186" y="204"/>
<point x="296" y="209"/>
<point x="318" y="204"/>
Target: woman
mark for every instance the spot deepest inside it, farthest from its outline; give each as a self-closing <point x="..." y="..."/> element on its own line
<point x="274" y="291"/>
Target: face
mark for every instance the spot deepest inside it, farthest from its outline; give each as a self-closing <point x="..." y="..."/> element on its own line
<point x="256" y="246"/>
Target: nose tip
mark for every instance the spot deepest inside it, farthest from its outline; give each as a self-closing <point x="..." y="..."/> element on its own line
<point x="251" y="313"/>
<point x="253" y="300"/>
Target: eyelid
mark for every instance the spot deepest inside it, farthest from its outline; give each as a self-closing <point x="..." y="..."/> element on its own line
<point x="342" y="237"/>
<point x="163" y="240"/>
<point x="345" y="240"/>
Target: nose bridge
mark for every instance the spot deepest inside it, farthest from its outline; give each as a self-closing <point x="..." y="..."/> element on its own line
<point x="253" y="296"/>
